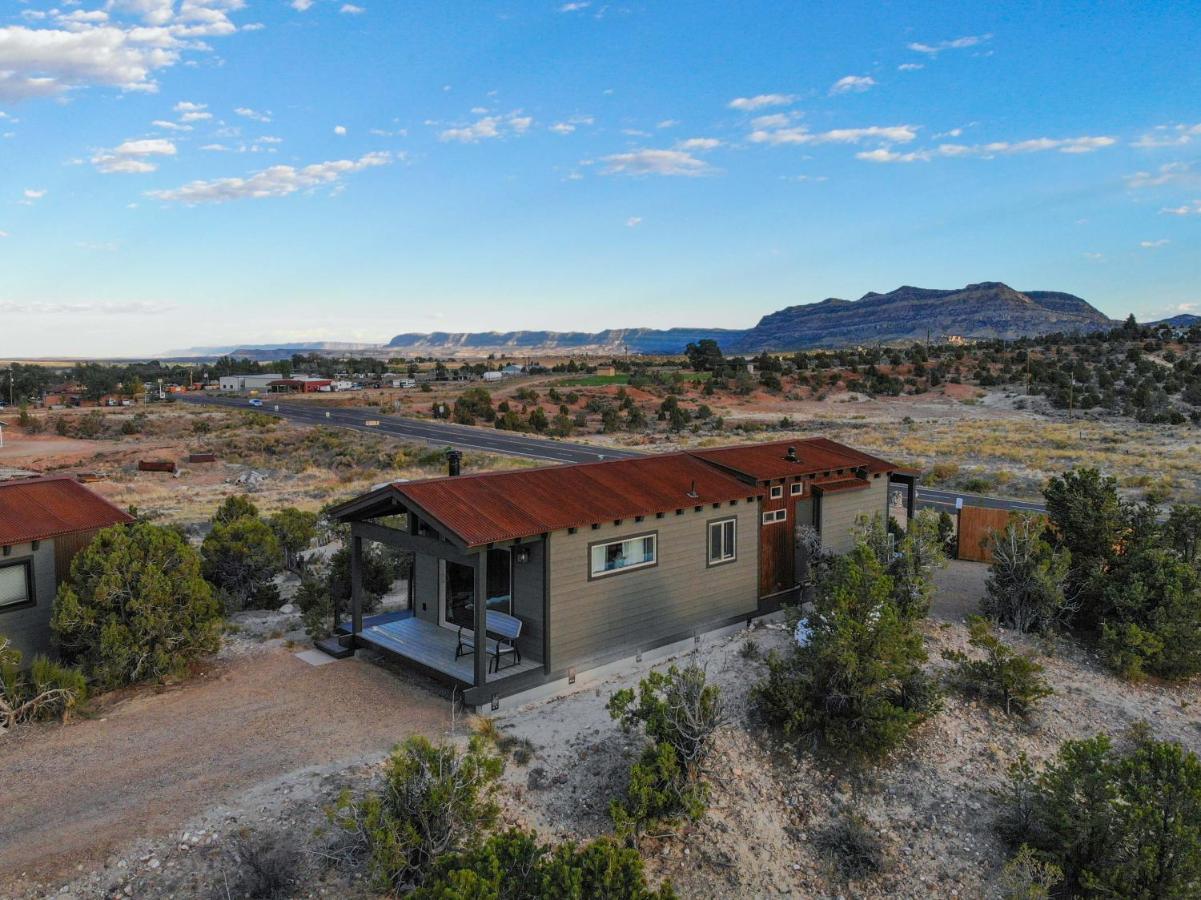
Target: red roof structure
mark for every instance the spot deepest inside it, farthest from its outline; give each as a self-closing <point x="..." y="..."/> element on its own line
<point x="500" y="506"/>
<point x="36" y="509"/>
<point x="764" y="462"/>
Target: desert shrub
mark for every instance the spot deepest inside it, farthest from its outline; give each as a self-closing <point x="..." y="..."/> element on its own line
<point x="436" y="800"/>
<point x="679" y="711"/>
<point x="519" y="749"/>
<point x="909" y="558"/>
<point x="1184" y="531"/>
<point x="45" y="691"/>
<point x="258" y="867"/>
<point x="1026" y="877"/>
<point x="853" y="849"/>
<point x="474" y="403"/>
<point x="377" y="576"/>
<point x="1025" y="587"/>
<point x="294" y="530"/>
<point x="234" y="507"/>
<point x="241" y="559"/>
<point x="850" y="688"/>
<point x="316" y="605"/>
<point x="1117" y="822"/>
<point x="512" y="865"/>
<point x="135" y="607"/>
<point x="1013" y="680"/>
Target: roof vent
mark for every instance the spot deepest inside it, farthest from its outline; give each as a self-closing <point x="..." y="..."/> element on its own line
<point x="791" y="455"/>
<point x="692" y="490"/>
<point x="454" y="462"/>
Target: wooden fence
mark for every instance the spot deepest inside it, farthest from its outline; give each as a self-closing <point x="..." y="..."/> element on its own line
<point x="975" y="525"/>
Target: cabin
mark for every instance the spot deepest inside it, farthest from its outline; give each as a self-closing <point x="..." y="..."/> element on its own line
<point x="44" y="522"/>
<point x="569" y="569"/>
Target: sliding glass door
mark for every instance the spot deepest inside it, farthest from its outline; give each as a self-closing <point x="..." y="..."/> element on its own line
<point x="458" y="589"/>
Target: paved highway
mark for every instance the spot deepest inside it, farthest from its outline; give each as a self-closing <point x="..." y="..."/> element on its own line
<point x="442" y="434"/>
<point x="491" y="440"/>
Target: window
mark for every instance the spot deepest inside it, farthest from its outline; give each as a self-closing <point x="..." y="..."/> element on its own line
<point x="723" y="541"/>
<point x="611" y="557"/>
<point x="798" y="488"/>
<point x="775" y="515"/>
<point x="777" y="491"/>
<point x="16" y="585"/>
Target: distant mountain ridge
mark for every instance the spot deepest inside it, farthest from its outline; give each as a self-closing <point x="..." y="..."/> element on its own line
<point x="989" y="309"/>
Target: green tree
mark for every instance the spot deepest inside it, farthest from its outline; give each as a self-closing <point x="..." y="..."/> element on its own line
<point x="1184" y="531"/>
<point x="472" y="405"/>
<point x="704" y="356"/>
<point x="294" y="530"/>
<point x="241" y="559"/>
<point x="135" y="607"/>
<point x="1025" y="586"/>
<point x="1014" y="680"/>
<point x="1089" y="520"/>
<point x="236" y="506"/>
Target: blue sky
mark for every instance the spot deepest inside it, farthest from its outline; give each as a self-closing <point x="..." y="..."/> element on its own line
<point x="179" y="173"/>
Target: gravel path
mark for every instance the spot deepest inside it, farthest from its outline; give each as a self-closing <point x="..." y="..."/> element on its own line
<point x="145" y="764"/>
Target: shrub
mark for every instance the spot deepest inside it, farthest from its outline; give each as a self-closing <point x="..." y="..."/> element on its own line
<point x="1117" y="823"/>
<point x="316" y="606"/>
<point x="237" y="506"/>
<point x="294" y="530"/>
<point x="46" y="691"/>
<point x="1026" y="877"/>
<point x="1025" y="587"/>
<point x="435" y="801"/>
<point x="909" y="561"/>
<point x="259" y="867"/>
<point x="512" y="865"/>
<point x="849" y="688"/>
<point x="1012" y="679"/>
<point x="680" y="713"/>
<point x="852" y="847"/>
<point x="241" y="559"/>
<point x="135" y="607"/>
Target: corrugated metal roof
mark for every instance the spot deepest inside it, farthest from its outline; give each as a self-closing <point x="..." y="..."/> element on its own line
<point x="767" y="461"/>
<point x="500" y="506"/>
<point x="35" y="509"/>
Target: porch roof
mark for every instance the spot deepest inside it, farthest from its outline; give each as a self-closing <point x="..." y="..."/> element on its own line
<point x="500" y="506"/>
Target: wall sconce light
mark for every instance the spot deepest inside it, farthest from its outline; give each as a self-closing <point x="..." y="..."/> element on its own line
<point x="522" y="555"/>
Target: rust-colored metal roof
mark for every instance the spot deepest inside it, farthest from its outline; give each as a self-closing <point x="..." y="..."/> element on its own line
<point x="500" y="506"/>
<point x="844" y="484"/>
<point x="36" y="509"/>
<point x="763" y="462"/>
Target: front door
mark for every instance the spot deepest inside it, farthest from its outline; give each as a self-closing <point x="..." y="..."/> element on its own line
<point x="458" y="589"/>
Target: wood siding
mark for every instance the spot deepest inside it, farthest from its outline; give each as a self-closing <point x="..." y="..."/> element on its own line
<point x="975" y="525"/>
<point x="839" y="512"/>
<point x="614" y="616"/>
<point x="65" y="548"/>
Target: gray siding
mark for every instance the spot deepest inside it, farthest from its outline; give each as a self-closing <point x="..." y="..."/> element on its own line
<point x="29" y="627"/>
<point x="839" y="512"/>
<point x="425" y="588"/>
<point x="611" y="616"/>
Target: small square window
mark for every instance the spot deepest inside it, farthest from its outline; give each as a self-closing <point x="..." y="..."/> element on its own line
<point x="798" y="488"/>
<point x="777" y="491"/>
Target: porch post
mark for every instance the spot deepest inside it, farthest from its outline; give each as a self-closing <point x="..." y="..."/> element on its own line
<point x="356" y="585"/>
<point x="910" y="498"/>
<point x="481" y="619"/>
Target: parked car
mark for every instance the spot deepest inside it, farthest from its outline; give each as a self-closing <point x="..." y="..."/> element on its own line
<point x="255" y="401"/>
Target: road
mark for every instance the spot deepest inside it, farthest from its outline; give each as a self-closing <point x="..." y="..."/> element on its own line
<point x="491" y="440"/>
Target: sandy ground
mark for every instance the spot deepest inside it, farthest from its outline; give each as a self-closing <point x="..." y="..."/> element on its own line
<point x="148" y="762"/>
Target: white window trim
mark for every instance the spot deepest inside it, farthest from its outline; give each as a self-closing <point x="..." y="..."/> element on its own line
<point x="733" y="554"/>
<point x="653" y="536"/>
<point x="798" y="488"/>
<point x="777" y="491"/>
<point x="775" y="515"/>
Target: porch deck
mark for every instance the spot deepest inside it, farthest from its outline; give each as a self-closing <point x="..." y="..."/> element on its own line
<point x="433" y="648"/>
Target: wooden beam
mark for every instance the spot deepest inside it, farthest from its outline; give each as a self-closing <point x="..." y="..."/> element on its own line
<point x="415" y="543"/>
<point x="356" y="586"/>
<point x="481" y="620"/>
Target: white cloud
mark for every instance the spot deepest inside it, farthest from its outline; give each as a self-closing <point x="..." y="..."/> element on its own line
<point x="1085" y="144"/>
<point x="488" y="128"/>
<point x="247" y="113"/>
<point x="881" y="155"/>
<point x="3" y="234"/>
<point x="340" y="130"/>
<point x="655" y="162"/>
<point x="776" y="120"/>
<point x="897" y="134"/>
<point x="32" y="194"/>
<point x="133" y="157"/>
<point x="302" y="5"/>
<point x="575" y="6"/>
<point x="133" y="308"/>
<point x="1185" y="210"/>
<point x="633" y="221"/>
<point x="277" y="181"/>
<point x="1169" y="136"/>
<point x="760" y="101"/>
<point x="349" y="9"/>
<point x="170" y="126"/>
<point x="668" y="123"/>
<point x="853" y="84"/>
<point x="1151" y="245"/>
<point x="960" y="43"/>
<point x="1172" y="173"/>
<point x="698" y="143"/>
<point x="562" y="128"/>
<point x="909" y="67"/>
<point x="1093" y="255"/>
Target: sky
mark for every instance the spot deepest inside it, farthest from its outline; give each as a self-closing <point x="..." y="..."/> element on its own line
<point x="189" y="173"/>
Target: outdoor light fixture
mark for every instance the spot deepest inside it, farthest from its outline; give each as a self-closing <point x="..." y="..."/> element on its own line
<point x="522" y="555"/>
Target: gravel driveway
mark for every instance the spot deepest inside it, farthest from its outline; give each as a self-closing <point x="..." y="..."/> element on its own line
<point x="144" y="764"/>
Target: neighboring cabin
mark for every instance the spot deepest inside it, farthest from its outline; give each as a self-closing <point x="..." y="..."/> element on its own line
<point x="44" y="522"/>
<point x="596" y="562"/>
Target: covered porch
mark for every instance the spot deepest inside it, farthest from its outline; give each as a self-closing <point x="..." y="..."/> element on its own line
<point x="496" y="589"/>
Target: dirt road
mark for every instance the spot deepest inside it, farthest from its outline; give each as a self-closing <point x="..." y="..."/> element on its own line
<point x="145" y="765"/>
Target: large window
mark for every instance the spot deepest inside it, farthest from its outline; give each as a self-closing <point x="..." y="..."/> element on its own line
<point x="611" y="557"/>
<point x="16" y="585"/>
<point x="723" y="541"/>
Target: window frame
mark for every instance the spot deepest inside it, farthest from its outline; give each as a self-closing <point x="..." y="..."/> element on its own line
<point x="30" y="586"/>
<point x="710" y="562"/>
<point x="777" y="492"/>
<point x="638" y="567"/>
<point x="776" y="516"/>
<point x="797" y="489"/>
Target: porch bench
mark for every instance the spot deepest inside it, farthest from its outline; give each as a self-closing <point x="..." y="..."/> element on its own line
<point x="503" y="630"/>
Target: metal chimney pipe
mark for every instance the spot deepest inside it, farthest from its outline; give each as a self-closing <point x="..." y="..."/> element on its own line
<point x="791" y="457"/>
<point x="454" y="462"/>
